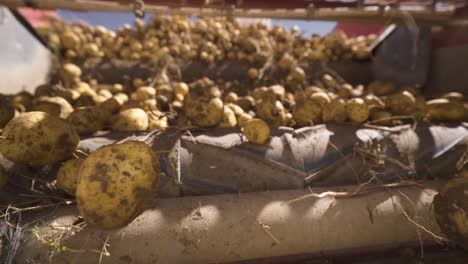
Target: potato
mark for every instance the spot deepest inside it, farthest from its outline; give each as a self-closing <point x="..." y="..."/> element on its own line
<point x="380" y="114"/>
<point x="113" y="104"/>
<point x="67" y="176"/>
<point x="372" y="100"/>
<point x="56" y="106"/>
<point x="181" y="88"/>
<point x="344" y="91"/>
<point x="144" y="92"/>
<point x="71" y="73"/>
<point x="69" y="94"/>
<point x="38" y="139"/>
<point x="23" y="99"/>
<point x="357" y="110"/>
<point x="454" y="96"/>
<point x="157" y="121"/>
<point x="88" y="119"/>
<point x="306" y="112"/>
<point x="229" y="118"/>
<point x="253" y="73"/>
<point x="402" y="103"/>
<point x="298" y="74"/>
<point x="133" y="119"/>
<point x="243" y="118"/>
<point x="271" y="111"/>
<point x="231" y="97"/>
<point x="203" y="112"/>
<point x="321" y="98"/>
<point x="286" y="61"/>
<point x="335" y="111"/>
<point x="235" y="108"/>
<point x="116" y="183"/>
<point x="70" y="40"/>
<point x="445" y="110"/>
<point x="246" y="103"/>
<point x="256" y="131"/>
<point x="3" y="177"/>
<point x="381" y="88"/>
<point x="7" y="111"/>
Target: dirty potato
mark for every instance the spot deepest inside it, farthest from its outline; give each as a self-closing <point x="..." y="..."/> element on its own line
<point x="229" y="118"/>
<point x="203" y="112"/>
<point x="38" y="139"/>
<point x="133" y="119"/>
<point x="116" y="183"/>
<point x="306" y="112"/>
<point x="357" y="110"/>
<point x="402" y="103"/>
<point x="446" y="110"/>
<point x="88" y="119"/>
<point x="256" y="131"/>
<point x="67" y="176"/>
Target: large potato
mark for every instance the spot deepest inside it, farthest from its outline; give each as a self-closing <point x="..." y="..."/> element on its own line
<point x="56" y="106"/>
<point x="67" y="175"/>
<point x="115" y="184"/>
<point x="134" y="119"/>
<point x="38" y="139"/>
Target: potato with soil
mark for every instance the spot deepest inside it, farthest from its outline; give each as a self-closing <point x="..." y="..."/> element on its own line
<point x="229" y="118"/>
<point x="67" y="176"/>
<point x="256" y="131"/>
<point x="116" y="183"/>
<point x="88" y="119"/>
<point x="357" y="110"/>
<point x="38" y="139"/>
<point x="133" y="119"/>
<point x="402" y="103"/>
<point x="202" y="111"/>
<point x="306" y="112"/>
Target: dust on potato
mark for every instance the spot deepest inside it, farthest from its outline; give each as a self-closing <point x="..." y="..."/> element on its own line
<point x="116" y="183"/>
<point x="446" y="110"/>
<point x="67" y="176"/>
<point x="38" y="139"/>
<point x="402" y="103"/>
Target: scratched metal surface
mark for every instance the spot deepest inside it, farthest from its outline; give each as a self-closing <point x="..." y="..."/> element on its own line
<point x="222" y="161"/>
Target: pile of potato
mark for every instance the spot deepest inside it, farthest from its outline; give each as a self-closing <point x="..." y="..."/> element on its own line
<point x="206" y="39"/>
<point x="113" y="184"/>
